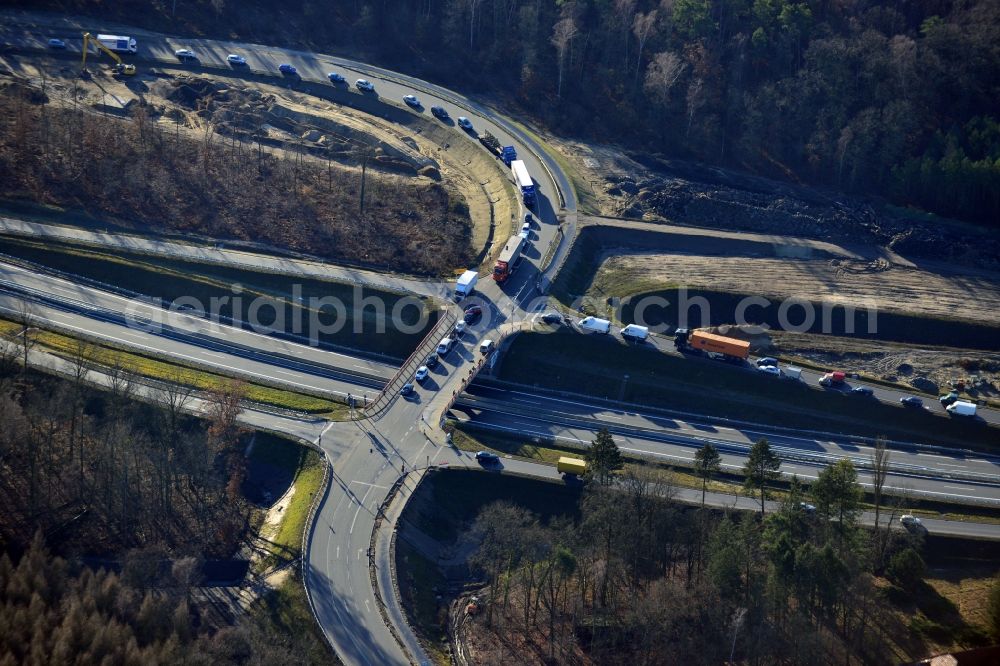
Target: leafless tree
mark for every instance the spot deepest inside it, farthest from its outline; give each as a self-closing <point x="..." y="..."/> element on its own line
<point x="662" y="74"/>
<point x="27" y="318"/>
<point x="642" y="27"/>
<point x="563" y="34"/>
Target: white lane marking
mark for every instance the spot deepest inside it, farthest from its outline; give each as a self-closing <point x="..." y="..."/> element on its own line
<point x="373" y="485"/>
<point x="358" y="510"/>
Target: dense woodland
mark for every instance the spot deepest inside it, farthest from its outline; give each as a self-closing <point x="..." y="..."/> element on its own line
<point x="55" y="612"/>
<point x="638" y="579"/>
<point x="99" y="472"/>
<point x="890" y="98"/>
<point x="144" y="171"/>
<point x="110" y="507"/>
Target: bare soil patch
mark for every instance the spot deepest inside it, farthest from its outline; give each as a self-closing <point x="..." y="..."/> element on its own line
<point x="861" y="283"/>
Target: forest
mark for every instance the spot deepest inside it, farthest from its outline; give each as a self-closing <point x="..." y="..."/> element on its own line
<point x="895" y="99"/>
<point x="635" y="578"/>
<point x="112" y="506"/>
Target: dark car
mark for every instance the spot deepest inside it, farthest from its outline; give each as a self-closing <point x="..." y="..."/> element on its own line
<point x="440" y="113"/>
<point x="767" y="360"/>
<point x="911" y="401"/>
<point x="487" y="458"/>
<point x="56" y="43"/>
<point x="473" y="313"/>
<point x="287" y="69"/>
<point x="552" y="318"/>
<point x="407" y="389"/>
<point x="431" y="361"/>
<point x="863" y="390"/>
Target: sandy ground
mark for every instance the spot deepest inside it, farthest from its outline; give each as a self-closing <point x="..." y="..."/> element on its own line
<point x="878" y="283"/>
<point x="461" y="163"/>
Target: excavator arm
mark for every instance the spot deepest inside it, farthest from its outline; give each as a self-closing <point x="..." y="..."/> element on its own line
<point x="120" y="67"/>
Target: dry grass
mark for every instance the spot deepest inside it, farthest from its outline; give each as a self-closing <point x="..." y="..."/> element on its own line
<point x="134" y="170"/>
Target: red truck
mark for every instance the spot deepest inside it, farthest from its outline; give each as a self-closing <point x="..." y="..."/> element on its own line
<point x="832" y="379"/>
<point x="508" y="259"/>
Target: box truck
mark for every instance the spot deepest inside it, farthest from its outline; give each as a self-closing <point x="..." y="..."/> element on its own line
<point x="595" y="325"/>
<point x="117" y="43"/>
<point x="466" y="285"/>
<point x="574" y="466"/>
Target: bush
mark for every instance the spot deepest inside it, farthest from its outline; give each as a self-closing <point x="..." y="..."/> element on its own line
<point x="907" y="568"/>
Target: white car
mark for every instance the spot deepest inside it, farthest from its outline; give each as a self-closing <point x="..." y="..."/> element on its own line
<point x="363" y="84"/>
<point x="910" y="521"/>
<point x="185" y="54"/>
<point x="525" y="234"/>
<point x="234" y="59"/>
<point x="460" y="328"/>
<point x="526" y="228"/>
<point x="422" y="373"/>
<point x="445" y="346"/>
<point x="769" y="370"/>
<point x="411" y="101"/>
<point x="464" y="123"/>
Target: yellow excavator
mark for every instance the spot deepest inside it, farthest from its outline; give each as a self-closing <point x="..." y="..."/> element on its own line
<point x="119" y="68"/>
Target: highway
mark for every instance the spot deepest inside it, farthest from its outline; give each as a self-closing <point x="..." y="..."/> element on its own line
<point x="369" y="456"/>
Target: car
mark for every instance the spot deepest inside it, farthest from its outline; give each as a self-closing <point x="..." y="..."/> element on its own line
<point x="528" y="219"/>
<point x="863" y="390"/>
<point x="552" y="318"/>
<point x="431" y="361"/>
<point x="365" y="85"/>
<point x="412" y="101"/>
<point x="807" y="508"/>
<point x="440" y="113"/>
<point x="421" y="373"/>
<point x="770" y="370"/>
<point x="445" y="346"/>
<point x="287" y="69"/>
<point x="767" y="360"/>
<point x="335" y="77"/>
<point x="465" y="123"/>
<point x="407" y="389"/>
<point x="486" y="346"/>
<point x="487" y="458"/>
<point x="525" y="234"/>
<point x="460" y="328"/>
<point x="237" y="60"/>
<point x="472" y="314"/>
<point x="526" y="228"/>
<point x="911" y="401"/>
<point x="911" y="522"/>
<point x="56" y="43"/>
<point x="185" y="54"/>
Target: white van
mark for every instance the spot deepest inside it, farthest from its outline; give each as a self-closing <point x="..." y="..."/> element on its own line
<point x="962" y="408"/>
<point x="635" y="332"/>
<point x="595" y="325"/>
<point x="485" y="346"/>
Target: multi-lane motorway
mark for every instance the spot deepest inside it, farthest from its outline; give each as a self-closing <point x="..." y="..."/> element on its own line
<point x="368" y="457"/>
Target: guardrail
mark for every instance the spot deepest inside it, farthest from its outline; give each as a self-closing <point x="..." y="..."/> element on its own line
<point x="390" y="391"/>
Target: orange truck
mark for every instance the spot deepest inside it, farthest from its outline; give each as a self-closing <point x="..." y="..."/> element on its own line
<point x="718" y="344"/>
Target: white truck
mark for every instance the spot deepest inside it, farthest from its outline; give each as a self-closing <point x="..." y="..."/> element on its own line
<point x="466" y="285"/>
<point x="635" y="333"/>
<point x="595" y="325"/>
<point x="791" y="372"/>
<point x="117" y="43"/>
<point x="962" y="408"/>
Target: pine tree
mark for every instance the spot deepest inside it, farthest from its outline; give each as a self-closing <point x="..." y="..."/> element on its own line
<point x="604" y="457"/>
<point x="760" y="469"/>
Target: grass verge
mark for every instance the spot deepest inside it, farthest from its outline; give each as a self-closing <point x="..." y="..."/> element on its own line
<point x="68" y="347"/>
<point x="285" y="615"/>
<point x="420" y="583"/>
<point x="284" y="542"/>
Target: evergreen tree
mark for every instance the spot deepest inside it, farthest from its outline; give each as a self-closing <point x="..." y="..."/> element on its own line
<point x="603" y="457"/>
<point x="706" y="463"/>
<point x="760" y="469"/>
